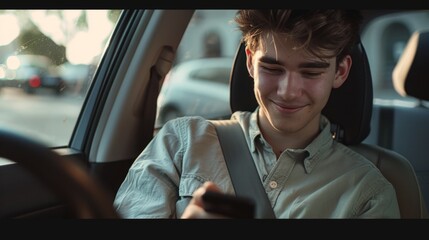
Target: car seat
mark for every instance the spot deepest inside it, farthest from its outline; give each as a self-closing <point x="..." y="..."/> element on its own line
<point x="349" y="109"/>
<point x="410" y="75"/>
<point x="410" y="79"/>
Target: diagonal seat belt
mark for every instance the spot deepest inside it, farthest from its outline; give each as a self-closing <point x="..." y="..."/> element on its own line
<point x="241" y="167"/>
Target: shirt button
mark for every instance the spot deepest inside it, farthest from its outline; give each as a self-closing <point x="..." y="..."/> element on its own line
<point x="273" y="184"/>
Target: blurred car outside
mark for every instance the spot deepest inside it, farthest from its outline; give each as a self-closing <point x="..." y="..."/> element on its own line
<point x="195" y="87"/>
<point x="77" y="77"/>
<point x="31" y="73"/>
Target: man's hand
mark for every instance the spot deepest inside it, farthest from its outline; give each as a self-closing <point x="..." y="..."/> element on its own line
<point x="195" y="209"/>
<point x="209" y="202"/>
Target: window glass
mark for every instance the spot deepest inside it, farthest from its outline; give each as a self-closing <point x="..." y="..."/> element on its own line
<point x="198" y="82"/>
<point x="219" y="75"/>
<point x="47" y="62"/>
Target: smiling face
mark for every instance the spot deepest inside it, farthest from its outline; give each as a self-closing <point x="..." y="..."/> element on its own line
<point x="292" y="86"/>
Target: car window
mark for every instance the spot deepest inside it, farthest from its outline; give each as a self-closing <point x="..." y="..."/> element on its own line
<point x="47" y="61"/>
<point x="217" y="75"/>
<point x="198" y="83"/>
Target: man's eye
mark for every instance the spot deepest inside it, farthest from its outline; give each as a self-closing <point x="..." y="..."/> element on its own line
<point x="312" y="74"/>
<point x="272" y="70"/>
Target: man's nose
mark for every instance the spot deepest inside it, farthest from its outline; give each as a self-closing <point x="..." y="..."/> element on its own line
<point x="289" y="86"/>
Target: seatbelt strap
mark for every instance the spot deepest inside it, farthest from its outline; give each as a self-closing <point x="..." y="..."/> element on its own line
<point x="241" y="167"/>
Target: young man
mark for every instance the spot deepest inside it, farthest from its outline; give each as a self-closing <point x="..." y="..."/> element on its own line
<point x="296" y="58"/>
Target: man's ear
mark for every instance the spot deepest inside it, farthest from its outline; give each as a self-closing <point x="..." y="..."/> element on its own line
<point x="342" y="71"/>
<point x="249" y="62"/>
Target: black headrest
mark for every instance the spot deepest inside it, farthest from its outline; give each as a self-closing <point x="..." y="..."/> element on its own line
<point x="349" y="107"/>
<point x="410" y="75"/>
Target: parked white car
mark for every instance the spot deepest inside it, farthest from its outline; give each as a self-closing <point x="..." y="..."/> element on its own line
<point x="195" y="87"/>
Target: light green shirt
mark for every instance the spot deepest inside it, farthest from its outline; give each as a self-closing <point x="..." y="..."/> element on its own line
<point x="324" y="180"/>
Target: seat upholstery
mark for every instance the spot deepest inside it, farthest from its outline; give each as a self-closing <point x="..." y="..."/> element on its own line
<point x="349" y="109"/>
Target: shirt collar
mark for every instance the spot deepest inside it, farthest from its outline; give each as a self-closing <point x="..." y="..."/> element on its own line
<point x="254" y="131"/>
<point x="319" y="145"/>
<point x="311" y="153"/>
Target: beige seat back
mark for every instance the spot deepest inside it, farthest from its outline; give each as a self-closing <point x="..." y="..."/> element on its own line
<point x="398" y="171"/>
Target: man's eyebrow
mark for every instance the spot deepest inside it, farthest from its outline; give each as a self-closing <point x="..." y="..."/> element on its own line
<point x="270" y="60"/>
<point x="312" y="64"/>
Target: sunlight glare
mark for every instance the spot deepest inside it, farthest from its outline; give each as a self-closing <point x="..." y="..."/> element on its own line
<point x="83" y="45"/>
<point x="9" y="27"/>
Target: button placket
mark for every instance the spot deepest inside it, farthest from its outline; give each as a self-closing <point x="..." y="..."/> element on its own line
<point x="273" y="184"/>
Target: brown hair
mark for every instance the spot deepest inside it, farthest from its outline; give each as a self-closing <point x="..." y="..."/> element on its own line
<point x="336" y="31"/>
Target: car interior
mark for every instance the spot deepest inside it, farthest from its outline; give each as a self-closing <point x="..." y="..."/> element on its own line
<point x="394" y="127"/>
<point x="410" y="79"/>
<point x="117" y="122"/>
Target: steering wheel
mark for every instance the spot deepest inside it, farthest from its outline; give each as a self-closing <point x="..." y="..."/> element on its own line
<point x="69" y="180"/>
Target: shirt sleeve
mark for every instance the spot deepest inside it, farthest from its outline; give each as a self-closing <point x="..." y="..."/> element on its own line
<point x="149" y="190"/>
<point x="382" y="204"/>
<point x="180" y="158"/>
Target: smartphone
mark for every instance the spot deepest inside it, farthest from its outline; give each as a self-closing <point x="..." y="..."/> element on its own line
<point x="228" y="205"/>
